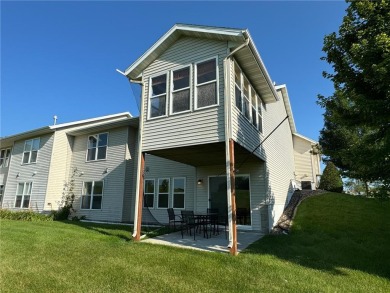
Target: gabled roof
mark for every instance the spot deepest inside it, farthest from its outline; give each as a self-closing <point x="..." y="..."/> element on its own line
<point x="305" y="138"/>
<point x="248" y="57"/>
<point x="286" y="100"/>
<point x="119" y="119"/>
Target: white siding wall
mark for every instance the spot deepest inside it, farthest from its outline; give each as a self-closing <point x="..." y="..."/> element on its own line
<point x="157" y="167"/>
<point x="26" y="173"/>
<point x="114" y="186"/>
<point x="199" y="126"/>
<point x="59" y="169"/>
<point x="279" y="158"/>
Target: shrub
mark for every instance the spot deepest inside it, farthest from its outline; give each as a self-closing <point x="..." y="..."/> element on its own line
<point x="331" y="179"/>
<point x="27" y="215"/>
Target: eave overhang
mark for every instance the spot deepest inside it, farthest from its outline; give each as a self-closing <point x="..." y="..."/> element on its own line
<point x="248" y="57"/>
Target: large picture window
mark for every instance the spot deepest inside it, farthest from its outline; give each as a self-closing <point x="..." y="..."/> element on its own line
<point x="149" y="193"/>
<point x="5" y="156"/>
<point x="158" y="96"/>
<point x="30" y="152"/>
<point x="23" y="195"/>
<point x="97" y="147"/>
<point x="92" y="195"/>
<point x="180" y="87"/>
<point x="163" y="192"/>
<point x="206" y="83"/>
<point x="179" y="190"/>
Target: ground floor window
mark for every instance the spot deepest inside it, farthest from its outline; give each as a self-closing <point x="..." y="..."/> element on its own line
<point x="23" y="195"/>
<point x="92" y="195"/>
<point x="163" y="193"/>
<point x="149" y="193"/>
<point x="179" y="190"/>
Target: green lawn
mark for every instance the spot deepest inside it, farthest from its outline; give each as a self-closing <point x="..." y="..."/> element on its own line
<point x="338" y="243"/>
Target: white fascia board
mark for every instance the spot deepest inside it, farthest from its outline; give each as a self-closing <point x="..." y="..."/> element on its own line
<point x="182" y="27"/>
<point x="124" y="115"/>
<point x="256" y="54"/>
<point x="305" y="138"/>
<point x="287" y="105"/>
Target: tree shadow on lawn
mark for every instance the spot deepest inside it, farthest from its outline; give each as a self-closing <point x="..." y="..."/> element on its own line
<point x="121" y="231"/>
<point x="328" y="253"/>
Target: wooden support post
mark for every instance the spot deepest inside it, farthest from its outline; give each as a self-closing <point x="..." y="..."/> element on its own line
<point x="233" y="249"/>
<point x="140" y="198"/>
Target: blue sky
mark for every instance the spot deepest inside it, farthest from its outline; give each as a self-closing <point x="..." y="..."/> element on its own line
<point x="59" y="58"/>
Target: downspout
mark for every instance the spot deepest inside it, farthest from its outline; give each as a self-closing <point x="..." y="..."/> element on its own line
<point x="228" y="133"/>
<point x="312" y="167"/>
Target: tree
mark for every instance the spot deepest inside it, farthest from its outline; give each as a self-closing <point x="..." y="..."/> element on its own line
<point x="356" y="132"/>
<point x="331" y="179"/>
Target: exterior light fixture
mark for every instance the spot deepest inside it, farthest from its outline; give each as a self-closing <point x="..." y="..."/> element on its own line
<point x="200" y="181"/>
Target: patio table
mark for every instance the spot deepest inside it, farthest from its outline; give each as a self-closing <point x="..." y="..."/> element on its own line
<point x="203" y="220"/>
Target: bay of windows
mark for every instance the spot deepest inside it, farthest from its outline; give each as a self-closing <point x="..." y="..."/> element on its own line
<point x="180" y="88"/>
<point x="97" y="147"/>
<point x="23" y="195"/>
<point x="247" y="100"/>
<point x="165" y="195"/>
<point x="30" y="152"/>
<point x="5" y="155"/>
<point x="92" y="195"/>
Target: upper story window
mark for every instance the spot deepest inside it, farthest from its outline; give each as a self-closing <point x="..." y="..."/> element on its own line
<point x="30" y="152"/>
<point x="97" y="147"/>
<point x="247" y="100"/>
<point x="206" y="83"/>
<point x="23" y="195"/>
<point x="91" y="199"/>
<point x="180" y="90"/>
<point x="158" y="96"/>
<point x="5" y="156"/>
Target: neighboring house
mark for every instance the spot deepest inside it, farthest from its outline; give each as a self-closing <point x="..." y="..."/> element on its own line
<point x="39" y="164"/>
<point x="209" y="103"/>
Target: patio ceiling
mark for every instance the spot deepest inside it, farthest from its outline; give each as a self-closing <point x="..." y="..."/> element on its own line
<point x="204" y="155"/>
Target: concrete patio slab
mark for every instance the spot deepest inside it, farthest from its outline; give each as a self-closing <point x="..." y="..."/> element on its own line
<point x="216" y="243"/>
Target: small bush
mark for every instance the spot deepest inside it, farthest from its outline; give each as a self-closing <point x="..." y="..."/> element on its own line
<point x="24" y="215"/>
<point x="331" y="179"/>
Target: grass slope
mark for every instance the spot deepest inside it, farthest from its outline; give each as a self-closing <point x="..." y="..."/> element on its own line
<point x="338" y="243"/>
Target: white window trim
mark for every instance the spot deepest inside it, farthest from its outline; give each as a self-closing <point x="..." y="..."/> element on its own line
<point x="166" y="95"/>
<point x="171" y="91"/>
<point x="92" y="195"/>
<point x="24" y="188"/>
<point x="158" y="192"/>
<point x="30" y="152"/>
<point x="97" y="146"/>
<point x="184" y="193"/>
<point x="6" y="160"/>
<point x="196" y="84"/>
<point x="154" y="194"/>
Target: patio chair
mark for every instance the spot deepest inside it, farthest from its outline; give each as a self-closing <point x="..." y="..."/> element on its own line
<point x="173" y="218"/>
<point x="188" y="222"/>
<point x="217" y="220"/>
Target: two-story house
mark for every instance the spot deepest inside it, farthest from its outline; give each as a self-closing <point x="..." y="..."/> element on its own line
<point x="208" y="102"/>
<point x="213" y="132"/>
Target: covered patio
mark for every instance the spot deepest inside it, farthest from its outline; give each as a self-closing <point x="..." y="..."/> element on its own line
<point x="216" y="243"/>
